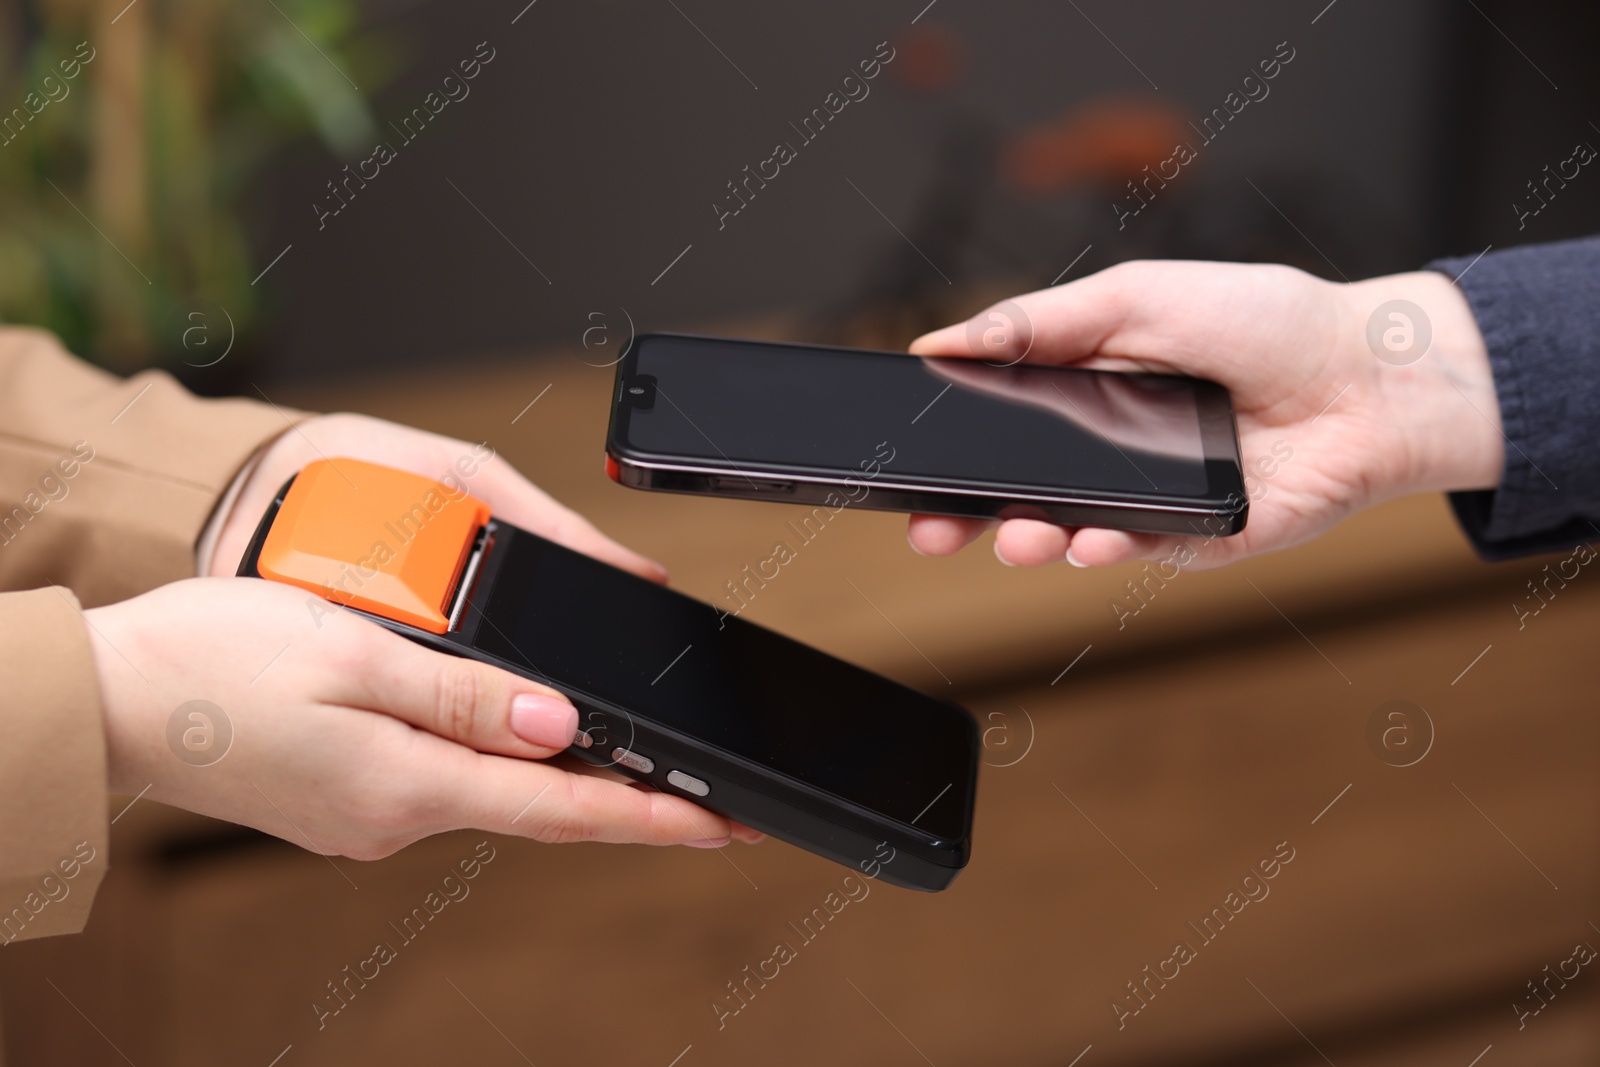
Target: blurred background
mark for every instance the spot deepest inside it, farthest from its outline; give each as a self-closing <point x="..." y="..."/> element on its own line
<point x="200" y="186"/>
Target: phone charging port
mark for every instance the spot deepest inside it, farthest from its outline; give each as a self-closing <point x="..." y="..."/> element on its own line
<point x="741" y="484"/>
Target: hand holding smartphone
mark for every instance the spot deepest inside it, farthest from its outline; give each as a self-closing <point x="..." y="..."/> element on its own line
<point x="802" y="423"/>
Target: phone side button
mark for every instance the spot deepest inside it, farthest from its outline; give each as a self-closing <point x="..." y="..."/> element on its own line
<point x="633" y="761"/>
<point x="688" y="783"/>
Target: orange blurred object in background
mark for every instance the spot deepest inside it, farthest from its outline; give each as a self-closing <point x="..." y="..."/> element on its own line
<point x="1107" y="139"/>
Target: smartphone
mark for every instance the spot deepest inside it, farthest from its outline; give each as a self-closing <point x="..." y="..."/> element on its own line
<point x="670" y="690"/>
<point x="808" y="424"/>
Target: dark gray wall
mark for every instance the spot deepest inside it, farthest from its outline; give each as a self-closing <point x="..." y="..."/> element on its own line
<point x="602" y="132"/>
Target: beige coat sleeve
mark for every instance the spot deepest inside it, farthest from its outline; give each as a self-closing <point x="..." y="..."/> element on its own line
<point x="105" y="483"/>
<point x="52" y="767"/>
<point x="105" y="486"/>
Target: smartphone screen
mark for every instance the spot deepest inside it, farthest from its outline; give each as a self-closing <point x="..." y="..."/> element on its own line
<point x="752" y="692"/>
<point x="799" y="408"/>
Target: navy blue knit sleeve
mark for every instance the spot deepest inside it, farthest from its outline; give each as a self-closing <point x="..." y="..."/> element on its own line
<point x="1538" y="308"/>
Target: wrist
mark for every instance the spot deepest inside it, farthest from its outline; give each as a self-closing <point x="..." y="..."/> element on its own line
<point x="1433" y="381"/>
<point x="118" y="683"/>
<point x="205" y="551"/>
<point x="222" y="543"/>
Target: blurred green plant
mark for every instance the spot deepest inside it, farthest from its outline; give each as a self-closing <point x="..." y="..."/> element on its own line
<point x="127" y="190"/>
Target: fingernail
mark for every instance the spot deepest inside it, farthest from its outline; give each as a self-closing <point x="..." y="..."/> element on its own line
<point x="913" y="545"/>
<point x="1074" y="560"/>
<point x="708" y="842"/>
<point x="542" y="720"/>
<point x="1001" y="558"/>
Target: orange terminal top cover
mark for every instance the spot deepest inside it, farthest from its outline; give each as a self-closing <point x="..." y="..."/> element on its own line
<point x="374" y="538"/>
